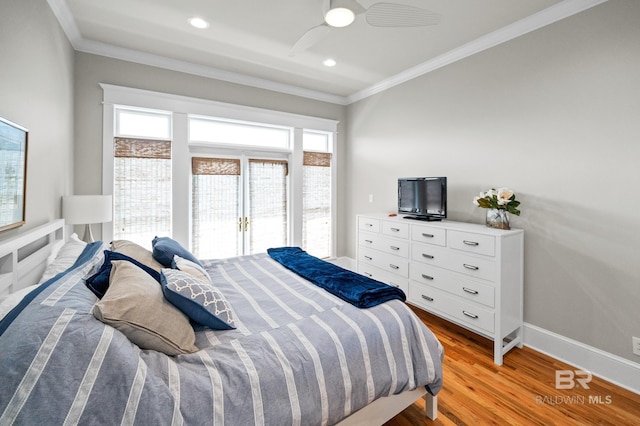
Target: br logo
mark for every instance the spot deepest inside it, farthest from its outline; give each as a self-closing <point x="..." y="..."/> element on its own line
<point x="567" y="379"/>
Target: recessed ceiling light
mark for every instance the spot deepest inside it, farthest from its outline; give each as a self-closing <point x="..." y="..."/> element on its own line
<point x="198" y="23"/>
<point x="329" y="63"/>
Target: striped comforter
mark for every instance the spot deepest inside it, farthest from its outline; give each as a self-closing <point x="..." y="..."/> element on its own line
<point x="299" y="356"/>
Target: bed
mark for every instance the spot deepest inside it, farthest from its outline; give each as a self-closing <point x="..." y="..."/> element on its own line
<point x="296" y="354"/>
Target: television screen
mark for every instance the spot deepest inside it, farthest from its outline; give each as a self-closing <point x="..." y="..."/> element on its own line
<point x="423" y="198"/>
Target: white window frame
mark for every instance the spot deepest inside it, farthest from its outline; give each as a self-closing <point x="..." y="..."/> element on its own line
<point x="182" y="107"/>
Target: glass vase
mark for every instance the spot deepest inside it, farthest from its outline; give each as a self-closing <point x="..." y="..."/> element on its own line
<point x="498" y="218"/>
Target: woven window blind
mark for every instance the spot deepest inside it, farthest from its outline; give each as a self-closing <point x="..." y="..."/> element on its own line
<point x="142" y="189"/>
<point x="215" y="166"/>
<point x="320" y="159"/>
<point x="142" y="148"/>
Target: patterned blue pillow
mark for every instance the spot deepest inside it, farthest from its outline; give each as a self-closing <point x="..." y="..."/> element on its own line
<point x="164" y="248"/>
<point x="197" y="298"/>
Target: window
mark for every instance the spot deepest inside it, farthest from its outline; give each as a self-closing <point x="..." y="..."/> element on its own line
<point x="216" y="207"/>
<point x="207" y="129"/>
<point x="317" y="195"/>
<point x="220" y="179"/>
<point x="142" y="177"/>
<point x="240" y="206"/>
<point x="267" y="223"/>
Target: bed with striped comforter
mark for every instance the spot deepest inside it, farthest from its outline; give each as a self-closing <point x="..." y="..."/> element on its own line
<point x="299" y="356"/>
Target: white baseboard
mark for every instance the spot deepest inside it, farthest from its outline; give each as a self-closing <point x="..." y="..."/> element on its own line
<point x="607" y="366"/>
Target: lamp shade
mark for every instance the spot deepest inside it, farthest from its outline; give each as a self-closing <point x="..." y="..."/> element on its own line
<point x="87" y="209"/>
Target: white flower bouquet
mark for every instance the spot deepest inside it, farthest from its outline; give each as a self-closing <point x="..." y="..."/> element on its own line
<point x="502" y="199"/>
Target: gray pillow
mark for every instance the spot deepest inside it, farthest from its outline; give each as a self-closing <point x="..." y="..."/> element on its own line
<point x="135" y="305"/>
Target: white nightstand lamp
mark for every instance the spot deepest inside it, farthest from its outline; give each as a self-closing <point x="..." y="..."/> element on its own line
<point x="87" y="209"/>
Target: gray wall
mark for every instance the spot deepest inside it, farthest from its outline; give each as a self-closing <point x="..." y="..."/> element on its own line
<point x="92" y="69"/>
<point x="36" y="91"/>
<point x="554" y="115"/>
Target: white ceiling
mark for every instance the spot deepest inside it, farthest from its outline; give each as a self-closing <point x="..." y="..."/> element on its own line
<point x="249" y="41"/>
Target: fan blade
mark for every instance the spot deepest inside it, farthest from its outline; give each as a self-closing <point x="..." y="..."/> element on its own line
<point x="400" y="15"/>
<point x="309" y="38"/>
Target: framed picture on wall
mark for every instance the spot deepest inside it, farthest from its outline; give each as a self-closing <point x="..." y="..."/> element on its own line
<point x="13" y="174"/>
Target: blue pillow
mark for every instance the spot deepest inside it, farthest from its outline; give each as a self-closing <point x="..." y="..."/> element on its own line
<point x="164" y="248"/>
<point x="197" y="298"/>
<point x="98" y="283"/>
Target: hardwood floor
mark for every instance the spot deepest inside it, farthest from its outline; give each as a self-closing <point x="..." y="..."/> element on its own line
<point x="520" y="392"/>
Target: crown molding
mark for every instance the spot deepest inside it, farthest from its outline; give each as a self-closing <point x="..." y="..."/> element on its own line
<point x="144" y="58"/>
<point x="533" y="22"/>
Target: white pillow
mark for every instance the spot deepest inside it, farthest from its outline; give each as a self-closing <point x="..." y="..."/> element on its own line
<point x="12" y="300"/>
<point x="66" y="257"/>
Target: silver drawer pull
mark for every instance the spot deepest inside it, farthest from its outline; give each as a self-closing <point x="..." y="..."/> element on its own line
<point x="395" y="229"/>
<point x="470" y="290"/>
<point x="368" y="241"/>
<point x="473" y="268"/>
<point x="368" y="224"/>
<point x="471" y="243"/>
<point x="428" y="256"/>
<point x="427" y="235"/>
<point x="470" y="315"/>
<point x="394" y="248"/>
<point x="427" y="277"/>
<point x="427" y="298"/>
<point x="394" y="285"/>
<point x="394" y="266"/>
<point x="368" y="257"/>
<point x="368" y="274"/>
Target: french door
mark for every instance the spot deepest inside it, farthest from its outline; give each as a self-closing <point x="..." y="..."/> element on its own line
<point x="239" y="205"/>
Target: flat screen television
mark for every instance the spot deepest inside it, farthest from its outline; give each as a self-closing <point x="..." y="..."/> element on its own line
<point x="423" y="198"/>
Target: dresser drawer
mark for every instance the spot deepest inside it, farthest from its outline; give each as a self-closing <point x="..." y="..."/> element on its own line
<point x="473" y="266"/>
<point x="453" y="283"/>
<point x="387" y="245"/>
<point x="473" y="243"/>
<point x="465" y="313"/>
<point x="429" y="254"/>
<point x="429" y="234"/>
<point x="395" y="229"/>
<point x="384" y="276"/>
<point x="369" y="224"/>
<point x="384" y="261"/>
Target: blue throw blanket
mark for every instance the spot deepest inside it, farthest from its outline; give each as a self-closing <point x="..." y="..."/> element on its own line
<point x="354" y="288"/>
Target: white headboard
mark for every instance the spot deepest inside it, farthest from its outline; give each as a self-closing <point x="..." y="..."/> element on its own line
<point x="23" y="257"/>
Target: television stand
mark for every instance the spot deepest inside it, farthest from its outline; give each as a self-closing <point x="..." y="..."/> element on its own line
<point x="427" y="219"/>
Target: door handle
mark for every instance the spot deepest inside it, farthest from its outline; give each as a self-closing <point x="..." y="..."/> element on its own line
<point x="246" y="224"/>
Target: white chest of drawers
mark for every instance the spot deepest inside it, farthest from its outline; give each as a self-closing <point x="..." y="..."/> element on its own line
<point x="467" y="273"/>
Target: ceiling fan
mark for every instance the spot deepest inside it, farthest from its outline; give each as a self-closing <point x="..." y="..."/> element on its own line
<point x="341" y="13"/>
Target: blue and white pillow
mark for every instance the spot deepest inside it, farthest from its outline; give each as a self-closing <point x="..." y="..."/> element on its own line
<point x="197" y="298"/>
